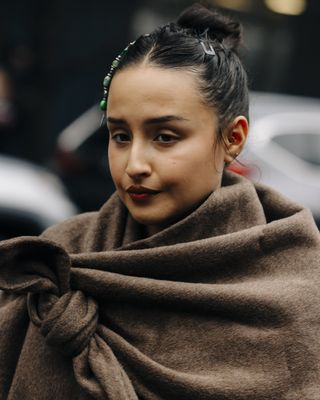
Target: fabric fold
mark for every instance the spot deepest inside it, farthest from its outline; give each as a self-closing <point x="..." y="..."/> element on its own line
<point x="31" y="264"/>
<point x="66" y="319"/>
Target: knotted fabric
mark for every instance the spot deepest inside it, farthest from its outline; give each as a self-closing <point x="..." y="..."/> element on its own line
<point x="222" y="305"/>
<point x="67" y="319"/>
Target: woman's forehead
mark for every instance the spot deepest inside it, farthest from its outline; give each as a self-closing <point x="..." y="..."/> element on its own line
<point x="142" y="87"/>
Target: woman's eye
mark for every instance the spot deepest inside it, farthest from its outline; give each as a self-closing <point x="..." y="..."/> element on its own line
<point x="165" y="138"/>
<point x="120" y="137"/>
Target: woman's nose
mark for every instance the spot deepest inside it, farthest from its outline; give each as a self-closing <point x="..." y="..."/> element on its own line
<point x="138" y="164"/>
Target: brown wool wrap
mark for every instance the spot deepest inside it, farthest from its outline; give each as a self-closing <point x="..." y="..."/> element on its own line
<point x="224" y="304"/>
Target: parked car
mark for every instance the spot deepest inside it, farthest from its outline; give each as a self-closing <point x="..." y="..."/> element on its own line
<point x="283" y="151"/>
<point x="31" y="198"/>
<point x="283" y="148"/>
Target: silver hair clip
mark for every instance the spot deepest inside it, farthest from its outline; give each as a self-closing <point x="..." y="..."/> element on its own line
<point x="210" y="51"/>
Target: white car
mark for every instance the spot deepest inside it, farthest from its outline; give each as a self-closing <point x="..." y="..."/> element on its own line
<point x="31" y="198"/>
<point x="283" y="148"/>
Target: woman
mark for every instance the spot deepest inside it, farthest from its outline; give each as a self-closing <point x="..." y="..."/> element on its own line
<point x="190" y="282"/>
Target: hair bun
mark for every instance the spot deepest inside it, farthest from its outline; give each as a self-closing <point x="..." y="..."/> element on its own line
<point x="199" y="18"/>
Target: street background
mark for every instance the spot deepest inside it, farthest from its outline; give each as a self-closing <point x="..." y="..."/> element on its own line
<point x="54" y="55"/>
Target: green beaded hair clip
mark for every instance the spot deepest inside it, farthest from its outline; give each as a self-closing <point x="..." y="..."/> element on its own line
<point x="107" y="79"/>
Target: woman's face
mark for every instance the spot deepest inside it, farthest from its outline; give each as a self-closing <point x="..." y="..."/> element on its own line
<point x="162" y="152"/>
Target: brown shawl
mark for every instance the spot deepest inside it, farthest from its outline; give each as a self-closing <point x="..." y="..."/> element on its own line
<point x="225" y="304"/>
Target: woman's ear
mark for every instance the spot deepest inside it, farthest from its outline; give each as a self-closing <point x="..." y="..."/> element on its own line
<point x="235" y="137"/>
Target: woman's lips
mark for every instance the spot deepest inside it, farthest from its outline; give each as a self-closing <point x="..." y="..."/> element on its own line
<point x="140" y="196"/>
<point x="141" y="193"/>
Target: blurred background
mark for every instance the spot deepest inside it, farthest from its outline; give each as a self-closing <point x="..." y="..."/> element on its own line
<point x="53" y="57"/>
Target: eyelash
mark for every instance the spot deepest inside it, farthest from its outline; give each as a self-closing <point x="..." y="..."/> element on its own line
<point x="171" y="138"/>
<point x="116" y="137"/>
<point x="124" y="138"/>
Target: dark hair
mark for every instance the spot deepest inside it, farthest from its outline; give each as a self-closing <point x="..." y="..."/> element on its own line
<point x="222" y="78"/>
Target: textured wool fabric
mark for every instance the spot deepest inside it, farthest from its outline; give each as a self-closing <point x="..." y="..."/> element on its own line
<point x="225" y="304"/>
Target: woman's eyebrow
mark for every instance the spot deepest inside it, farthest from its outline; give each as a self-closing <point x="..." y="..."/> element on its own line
<point x="149" y="121"/>
<point x="116" y="121"/>
<point x="165" y="118"/>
